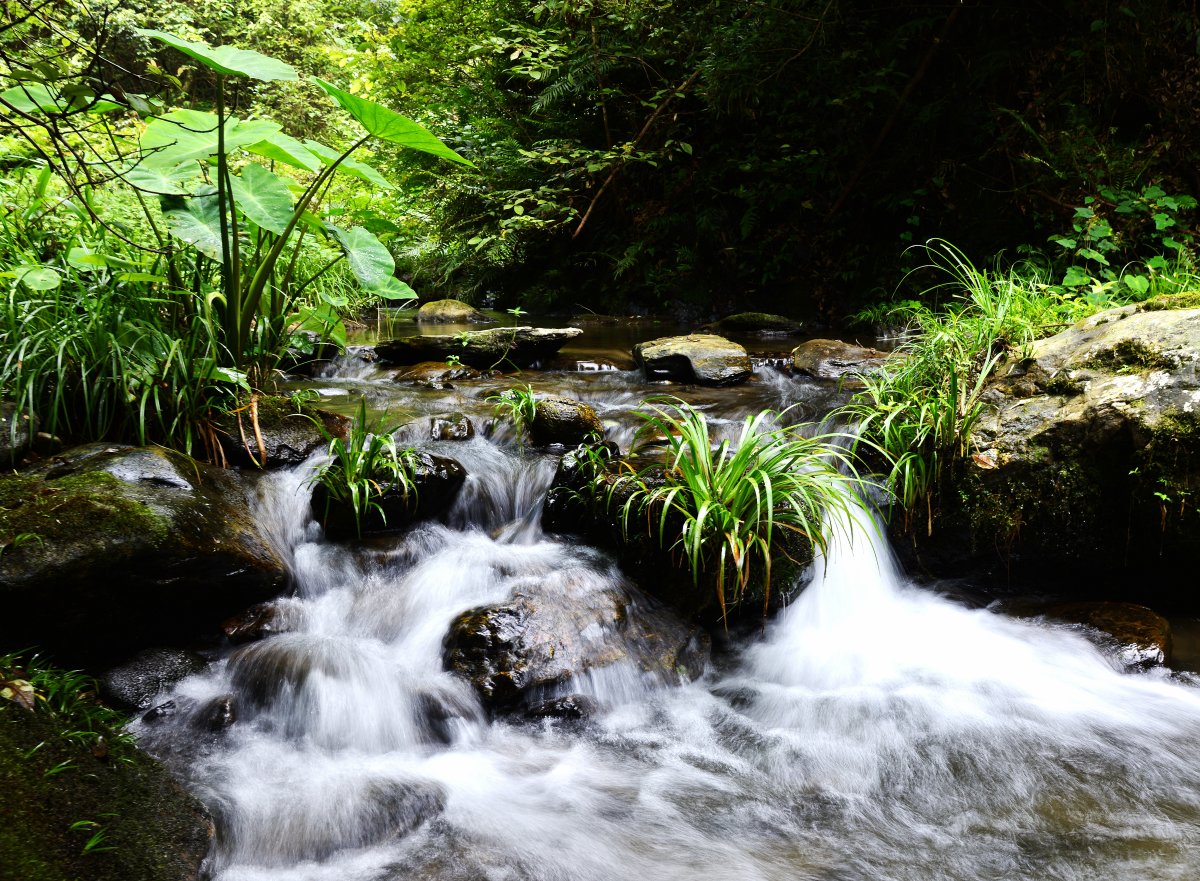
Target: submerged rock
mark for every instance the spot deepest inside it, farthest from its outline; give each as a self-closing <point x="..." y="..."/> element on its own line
<point x="702" y="358"/>
<point x="484" y="349"/>
<point x="450" y="312"/>
<point x="519" y="653"/>
<point x="133" y="545"/>
<point x="834" y="359"/>
<point x="260" y="621"/>
<point x="564" y="421"/>
<point x="1142" y="637"/>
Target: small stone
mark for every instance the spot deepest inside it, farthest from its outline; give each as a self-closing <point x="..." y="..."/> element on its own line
<point x="451" y="427"/>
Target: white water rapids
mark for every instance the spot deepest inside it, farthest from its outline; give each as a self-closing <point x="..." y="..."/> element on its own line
<point x="875" y="731"/>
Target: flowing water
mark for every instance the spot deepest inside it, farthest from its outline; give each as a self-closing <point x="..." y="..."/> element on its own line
<point x="875" y="730"/>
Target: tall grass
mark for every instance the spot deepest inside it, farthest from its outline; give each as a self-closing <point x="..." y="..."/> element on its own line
<point x="727" y="508"/>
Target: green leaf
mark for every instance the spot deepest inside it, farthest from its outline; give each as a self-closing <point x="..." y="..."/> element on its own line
<point x="390" y="125"/>
<point x="322" y="320"/>
<point x="1084" y="212"/>
<point x="1139" y="284"/>
<point x="286" y="149"/>
<point x="1075" y="277"/>
<point x="1158" y="262"/>
<point x="360" y="170"/>
<point x="162" y="180"/>
<point x="84" y="260"/>
<point x="1163" y="221"/>
<point x="38" y="278"/>
<point x="37" y="98"/>
<point x="188" y="135"/>
<point x="196" y="220"/>
<point x="263" y="197"/>
<point x="226" y="60"/>
<point x="394" y="289"/>
<point x="368" y="258"/>
<point x="1093" y="254"/>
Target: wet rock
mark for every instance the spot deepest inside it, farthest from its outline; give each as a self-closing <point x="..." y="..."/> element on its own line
<point x="161" y="713"/>
<point x="600" y="365"/>
<point x="705" y="359"/>
<point x="308" y="354"/>
<point x="153" y="829"/>
<point x="1088" y="456"/>
<point x="834" y="359"/>
<point x="16" y="434"/>
<point x="290" y="433"/>
<point x="437" y="481"/>
<point x="757" y="323"/>
<point x="430" y="372"/>
<point x="571" y="707"/>
<point x="218" y="714"/>
<point x="258" y="622"/>
<point x="135" y="684"/>
<point x="450" y="312"/>
<point x="554" y="629"/>
<point x="135" y="545"/>
<point x="451" y="427"/>
<point x="1142" y="637"/>
<point x="564" y="421"/>
<point x="501" y="347"/>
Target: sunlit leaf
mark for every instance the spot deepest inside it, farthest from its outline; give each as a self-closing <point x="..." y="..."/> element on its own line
<point x="38" y="98"/>
<point x="351" y="167"/>
<point x="38" y="278"/>
<point x="263" y="197"/>
<point x="286" y="149"/>
<point x="394" y="289"/>
<point x="390" y="125"/>
<point x="161" y="180"/>
<point x="227" y="60"/>
<point x="368" y="258"/>
<point x="196" y="220"/>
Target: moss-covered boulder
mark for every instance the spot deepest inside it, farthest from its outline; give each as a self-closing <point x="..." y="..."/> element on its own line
<point x="131" y="547"/>
<point x="74" y="810"/>
<point x="556" y="628"/>
<point x="496" y="347"/>
<point x="835" y="359"/>
<point x="757" y="324"/>
<point x="450" y="312"/>
<point x="700" y="358"/>
<point x="1087" y="464"/>
<point x="275" y="432"/>
<point x="564" y="421"/>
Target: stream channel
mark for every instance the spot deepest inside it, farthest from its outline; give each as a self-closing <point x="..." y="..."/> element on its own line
<point x="873" y="729"/>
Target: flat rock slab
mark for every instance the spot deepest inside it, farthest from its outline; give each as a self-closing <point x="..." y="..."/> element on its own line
<point x="484" y="349"/>
<point x="834" y="359"/>
<point x="700" y="358"/>
<point x="758" y="324"/>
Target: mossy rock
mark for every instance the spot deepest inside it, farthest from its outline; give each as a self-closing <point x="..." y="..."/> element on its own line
<point x="496" y="347"/>
<point x="700" y="358"/>
<point x="289" y="432"/>
<point x="450" y="312"/>
<point x="134" y="546"/>
<point x="152" y="829"/>
<point x="564" y="421"/>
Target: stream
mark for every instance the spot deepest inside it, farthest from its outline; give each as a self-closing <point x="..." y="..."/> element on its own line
<point x="873" y="729"/>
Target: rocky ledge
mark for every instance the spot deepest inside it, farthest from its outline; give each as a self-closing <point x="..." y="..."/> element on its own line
<point x="498" y="347"/>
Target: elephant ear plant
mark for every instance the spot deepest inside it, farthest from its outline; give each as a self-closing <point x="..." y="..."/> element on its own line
<point x="250" y="221"/>
<point x="363" y="468"/>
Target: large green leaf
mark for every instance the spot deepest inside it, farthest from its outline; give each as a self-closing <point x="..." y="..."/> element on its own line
<point x="196" y="220"/>
<point x="286" y="149"/>
<point x="263" y="197"/>
<point x="322" y="320"/>
<point x="394" y="289"/>
<point x="360" y="170"/>
<point x="368" y="258"/>
<point x="226" y="60"/>
<point x="36" y="98"/>
<point x="161" y="180"/>
<point x="390" y="125"/>
<point x="188" y="135"/>
<point x="38" y="278"/>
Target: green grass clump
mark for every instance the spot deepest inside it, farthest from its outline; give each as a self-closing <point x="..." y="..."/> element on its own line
<point x="517" y="405"/>
<point x="726" y="509"/>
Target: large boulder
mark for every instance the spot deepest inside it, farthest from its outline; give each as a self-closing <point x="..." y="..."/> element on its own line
<point x="1088" y="463"/>
<point x="131" y="546"/>
<point x="1140" y="637"/>
<point x="484" y="349"/>
<point x="450" y="312"/>
<point x="834" y="359"/>
<point x="59" y="793"/>
<point x="553" y="629"/>
<point x="564" y="421"/>
<point x="701" y="358"/>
